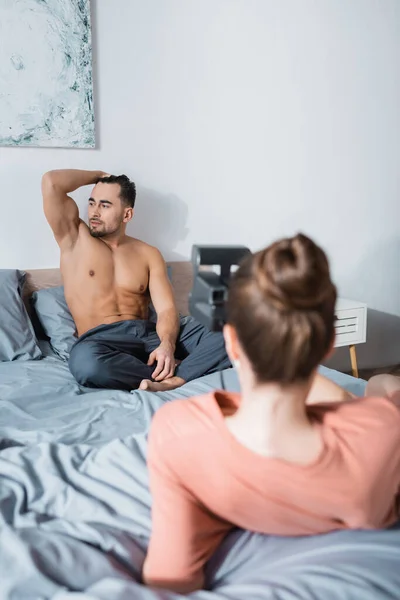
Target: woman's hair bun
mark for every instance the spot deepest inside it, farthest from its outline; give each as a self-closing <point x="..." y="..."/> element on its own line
<point x="293" y="274"/>
<point x="282" y="304"/>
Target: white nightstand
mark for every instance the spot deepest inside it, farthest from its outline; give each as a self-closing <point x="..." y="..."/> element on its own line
<point x="351" y="327"/>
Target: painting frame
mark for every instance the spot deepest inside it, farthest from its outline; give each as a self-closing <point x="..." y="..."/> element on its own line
<point x="46" y="74"/>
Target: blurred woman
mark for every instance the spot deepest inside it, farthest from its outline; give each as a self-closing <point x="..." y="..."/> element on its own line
<point x="292" y="454"/>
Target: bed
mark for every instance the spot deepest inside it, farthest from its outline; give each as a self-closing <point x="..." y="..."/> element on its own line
<point x="75" y="506"/>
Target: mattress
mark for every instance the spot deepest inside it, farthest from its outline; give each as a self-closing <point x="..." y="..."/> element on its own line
<point x="75" y="509"/>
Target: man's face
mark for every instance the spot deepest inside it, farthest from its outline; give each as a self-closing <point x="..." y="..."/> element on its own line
<point x="106" y="212"/>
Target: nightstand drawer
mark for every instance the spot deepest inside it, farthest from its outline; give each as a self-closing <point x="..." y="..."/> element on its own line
<point x="350" y="327"/>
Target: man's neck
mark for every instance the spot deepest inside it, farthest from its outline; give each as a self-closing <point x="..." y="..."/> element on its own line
<point x="114" y="240"/>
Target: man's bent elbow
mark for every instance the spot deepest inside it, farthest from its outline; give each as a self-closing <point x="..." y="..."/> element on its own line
<point x="48" y="176"/>
<point x="48" y="181"/>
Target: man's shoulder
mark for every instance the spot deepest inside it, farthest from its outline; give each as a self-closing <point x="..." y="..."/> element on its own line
<point x="143" y="247"/>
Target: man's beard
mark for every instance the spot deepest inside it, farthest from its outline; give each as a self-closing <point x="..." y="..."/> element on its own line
<point x="99" y="233"/>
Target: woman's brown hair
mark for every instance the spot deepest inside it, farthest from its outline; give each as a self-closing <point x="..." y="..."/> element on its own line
<point x="281" y="303"/>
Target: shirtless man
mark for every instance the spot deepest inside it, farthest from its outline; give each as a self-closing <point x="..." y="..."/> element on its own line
<point x="109" y="281"/>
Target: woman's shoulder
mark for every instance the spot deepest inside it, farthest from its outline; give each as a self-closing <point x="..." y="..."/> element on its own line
<point x="189" y="416"/>
<point x="375" y="412"/>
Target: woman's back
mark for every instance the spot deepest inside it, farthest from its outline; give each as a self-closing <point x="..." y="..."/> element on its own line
<point x="352" y="483"/>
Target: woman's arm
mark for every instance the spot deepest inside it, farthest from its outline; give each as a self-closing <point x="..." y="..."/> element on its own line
<point x="184" y="533"/>
<point x="170" y="562"/>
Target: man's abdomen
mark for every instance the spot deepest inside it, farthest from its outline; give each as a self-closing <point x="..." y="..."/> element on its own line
<point x="90" y="307"/>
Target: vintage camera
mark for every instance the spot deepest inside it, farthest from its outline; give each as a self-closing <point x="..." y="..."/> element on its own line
<point x="212" y="268"/>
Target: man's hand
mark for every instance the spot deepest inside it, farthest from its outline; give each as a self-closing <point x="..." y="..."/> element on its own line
<point x="164" y="356"/>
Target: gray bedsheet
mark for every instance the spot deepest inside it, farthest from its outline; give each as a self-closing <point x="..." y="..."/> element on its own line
<point x="75" y="505"/>
<point x="41" y="401"/>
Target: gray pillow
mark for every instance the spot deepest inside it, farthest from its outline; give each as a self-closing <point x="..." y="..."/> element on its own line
<point x="55" y="318"/>
<point x="17" y="338"/>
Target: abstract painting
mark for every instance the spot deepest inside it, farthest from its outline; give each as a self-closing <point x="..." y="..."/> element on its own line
<point x="46" y="87"/>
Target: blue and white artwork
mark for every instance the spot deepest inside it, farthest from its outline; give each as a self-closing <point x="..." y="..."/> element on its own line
<point x="46" y="88"/>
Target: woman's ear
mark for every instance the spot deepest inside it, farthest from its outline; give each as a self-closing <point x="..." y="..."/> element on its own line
<point x="231" y="342"/>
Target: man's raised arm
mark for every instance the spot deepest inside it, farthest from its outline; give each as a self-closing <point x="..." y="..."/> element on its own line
<point x="60" y="209"/>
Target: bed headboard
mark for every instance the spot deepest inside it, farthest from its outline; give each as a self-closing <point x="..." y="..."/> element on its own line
<point x="181" y="276"/>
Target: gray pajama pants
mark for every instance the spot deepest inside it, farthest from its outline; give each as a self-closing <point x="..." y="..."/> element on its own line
<point x="115" y="356"/>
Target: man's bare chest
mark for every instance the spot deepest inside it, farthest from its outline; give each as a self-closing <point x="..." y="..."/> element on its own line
<point x="93" y="268"/>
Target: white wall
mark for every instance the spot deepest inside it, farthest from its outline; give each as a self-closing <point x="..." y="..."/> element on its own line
<point x="241" y="121"/>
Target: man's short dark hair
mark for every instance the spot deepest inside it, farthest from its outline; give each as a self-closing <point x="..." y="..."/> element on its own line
<point x="127" y="188"/>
